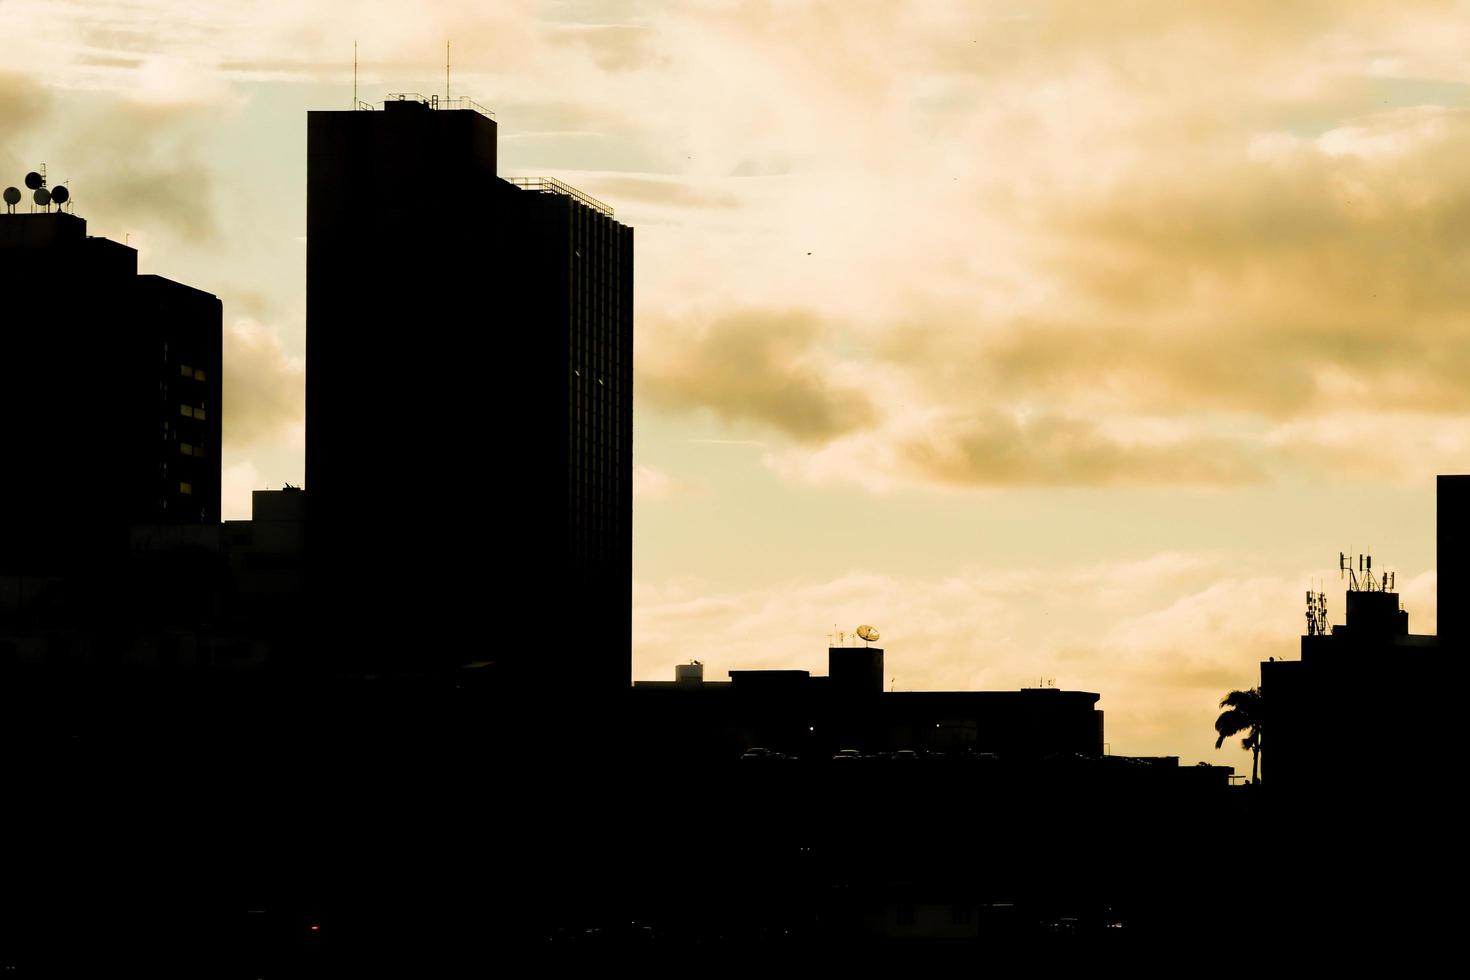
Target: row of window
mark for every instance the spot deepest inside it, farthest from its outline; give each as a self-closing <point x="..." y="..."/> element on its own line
<point x="190" y="411"/>
<point x="196" y="373"/>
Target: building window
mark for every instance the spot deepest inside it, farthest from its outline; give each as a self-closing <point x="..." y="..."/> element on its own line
<point x="186" y="411"/>
<point x="186" y="370"/>
<point x="198" y="374"/>
<point x="186" y="488"/>
<point x="186" y="449"/>
<point x="199" y="414"/>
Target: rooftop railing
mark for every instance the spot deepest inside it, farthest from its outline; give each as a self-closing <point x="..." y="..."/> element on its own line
<point x="550" y="185"/>
<point x="435" y="102"/>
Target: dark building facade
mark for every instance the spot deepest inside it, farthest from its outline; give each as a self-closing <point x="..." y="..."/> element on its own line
<point x="470" y="370"/>
<point x="1452" y="564"/>
<point x="110" y="385"/>
<point x="1369" y="705"/>
<point x="1370" y="662"/>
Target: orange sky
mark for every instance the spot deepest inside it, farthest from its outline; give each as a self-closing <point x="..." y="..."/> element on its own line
<point x="1058" y="340"/>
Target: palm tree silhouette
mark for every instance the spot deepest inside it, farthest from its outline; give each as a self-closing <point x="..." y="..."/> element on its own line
<point x="1244" y="713"/>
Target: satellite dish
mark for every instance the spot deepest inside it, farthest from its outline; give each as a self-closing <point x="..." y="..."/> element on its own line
<point x="868" y="633"/>
<point x="35" y="180"/>
<point x="12" y="196"/>
<point x="42" y="196"/>
<point x="60" y="195"/>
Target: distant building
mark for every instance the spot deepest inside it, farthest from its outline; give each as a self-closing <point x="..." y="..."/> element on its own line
<point x="470" y="373"/>
<point x="1369" y="705"/>
<point x="790" y="712"/>
<point x="110" y="391"/>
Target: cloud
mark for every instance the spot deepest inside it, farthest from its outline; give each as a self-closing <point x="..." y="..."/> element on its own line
<point x="139" y="166"/>
<point x="264" y="389"/>
<point x="1054" y="450"/>
<point x="614" y="47"/>
<point x="23" y="105"/>
<point x="1243" y="302"/>
<point x="668" y="193"/>
<point x="751" y="366"/>
<point x="23" y="101"/>
<point x="652" y="484"/>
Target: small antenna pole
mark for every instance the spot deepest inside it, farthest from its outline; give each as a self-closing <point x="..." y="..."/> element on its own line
<point x="446" y="71"/>
<point x="354" y="76"/>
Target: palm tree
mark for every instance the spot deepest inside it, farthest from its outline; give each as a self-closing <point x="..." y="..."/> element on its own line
<point x="1244" y="713"/>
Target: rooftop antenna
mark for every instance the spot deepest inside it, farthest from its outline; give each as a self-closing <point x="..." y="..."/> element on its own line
<point x="354" y="76"/>
<point x="446" y="71"/>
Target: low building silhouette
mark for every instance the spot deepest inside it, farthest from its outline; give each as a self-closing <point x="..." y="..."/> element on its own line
<point x="792" y="713"/>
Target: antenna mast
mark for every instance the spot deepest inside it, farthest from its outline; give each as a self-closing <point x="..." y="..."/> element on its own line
<point x="354" y="76"/>
<point x="446" y="71"/>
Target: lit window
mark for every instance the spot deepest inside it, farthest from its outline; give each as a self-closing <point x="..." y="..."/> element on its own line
<point x="186" y="449"/>
<point x="186" y="410"/>
<point x="186" y="370"/>
<point x="186" y="488"/>
<point x="199" y="414"/>
<point x="198" y="374"/>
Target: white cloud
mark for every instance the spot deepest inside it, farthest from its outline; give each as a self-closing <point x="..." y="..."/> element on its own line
<point x="653" y="484"/>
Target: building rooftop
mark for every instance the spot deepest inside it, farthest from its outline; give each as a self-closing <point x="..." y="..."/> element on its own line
<point x="550" y="185"/>
<point x="433" y="102"/>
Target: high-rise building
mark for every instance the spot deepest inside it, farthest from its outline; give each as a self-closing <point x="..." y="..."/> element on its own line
<point x="110" y="392"/>
<point x="470" y="386"/>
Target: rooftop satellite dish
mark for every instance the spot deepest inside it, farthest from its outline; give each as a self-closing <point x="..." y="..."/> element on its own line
<point x="42" y="196"/>
<point x="60" y="195"/>
<point x="35" y="180"/>
<point x="868" y="633"/>
<point x="12" y="196"/>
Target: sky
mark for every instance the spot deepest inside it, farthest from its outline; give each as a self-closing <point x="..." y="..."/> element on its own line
<point x="1065" y="343"/>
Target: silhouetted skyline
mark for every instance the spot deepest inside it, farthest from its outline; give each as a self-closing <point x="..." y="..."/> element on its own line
<point x="1067" y="349"/>
<point x="1069" y="278"/>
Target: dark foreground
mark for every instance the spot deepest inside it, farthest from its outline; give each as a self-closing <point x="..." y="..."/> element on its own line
<point x="312" y="835"/>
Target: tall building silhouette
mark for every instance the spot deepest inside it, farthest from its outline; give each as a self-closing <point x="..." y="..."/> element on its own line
<point x="110" y="391"/>
<point x="469" y="403"/>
